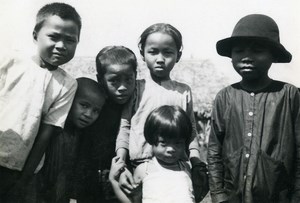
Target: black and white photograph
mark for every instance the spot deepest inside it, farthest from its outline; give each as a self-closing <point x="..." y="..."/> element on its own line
<point x="162" y="101"/>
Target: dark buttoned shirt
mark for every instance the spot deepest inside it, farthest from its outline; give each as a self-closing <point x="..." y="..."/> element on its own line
<point x="254" y="145"/>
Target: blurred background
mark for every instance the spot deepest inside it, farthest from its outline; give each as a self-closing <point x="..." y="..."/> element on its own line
<point x="201" y="22"/>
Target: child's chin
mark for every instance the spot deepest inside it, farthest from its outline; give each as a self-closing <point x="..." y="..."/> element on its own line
<point x="81" y="126"/>
<point x="121" y="101"/>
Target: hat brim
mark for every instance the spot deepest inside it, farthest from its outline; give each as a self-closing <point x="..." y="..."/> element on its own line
<point x="281" y="55"/>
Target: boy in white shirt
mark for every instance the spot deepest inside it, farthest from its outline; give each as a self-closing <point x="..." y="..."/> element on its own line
<point x="35" y="98"/>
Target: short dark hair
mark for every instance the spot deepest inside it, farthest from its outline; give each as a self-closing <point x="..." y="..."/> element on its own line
<point x="163" y="28"/>
<point x="167" y="122"/>
<point x="64" y="11"/>
<point x="88" y="84"/>
<point x="115" y="55"/>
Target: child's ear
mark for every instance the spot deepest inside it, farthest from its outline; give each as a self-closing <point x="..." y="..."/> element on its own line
<point x="142" y="52"/>
<point x="178" y="56"/>
<point x="34" y="35"/>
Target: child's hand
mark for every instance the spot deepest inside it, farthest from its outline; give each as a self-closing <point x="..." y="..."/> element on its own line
<point x="117" y="167"/>
<point x="126" y="182"/>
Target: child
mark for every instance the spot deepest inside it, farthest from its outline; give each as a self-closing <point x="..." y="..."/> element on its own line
<point x="35" y="97"/>
<point x="116" y="72"/>
<point x="61" y="155"/>
<point x="253" y="150"/>
<point x="165" y="177"/>
<point x="160" y="46"/>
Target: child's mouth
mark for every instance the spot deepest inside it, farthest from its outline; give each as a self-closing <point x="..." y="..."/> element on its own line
<point x="159" y="68"/>
<point x="247" y="67"/>
<point x="122" y="97"/>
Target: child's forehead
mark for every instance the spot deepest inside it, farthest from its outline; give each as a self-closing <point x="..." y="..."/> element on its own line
<point x="160" y="37"/>
<point x="57" y="21"/>
<point x="86" y="85"/>
<point x="90" y="93"/>
<point x="119" y="69"/>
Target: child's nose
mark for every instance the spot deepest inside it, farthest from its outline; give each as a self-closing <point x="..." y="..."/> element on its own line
<point x="247" y="59"/>
<point x="160" y="58"/>
<point x="60" y="45"/>
<point x="170" y="149"/>
<point x="122" y="88"/>
<point x="88" y="112"/>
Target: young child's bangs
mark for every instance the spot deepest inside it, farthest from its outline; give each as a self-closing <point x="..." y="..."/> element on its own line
<point x="169" y="129"/>
<point x="169" y="122"/>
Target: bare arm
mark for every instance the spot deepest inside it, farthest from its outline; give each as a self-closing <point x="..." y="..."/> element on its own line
<point x="122" y="153"/>
<point x="122" y="141"/>
<point x="37" y="151"/>
<point x="117" y="166"/>
<point x="194" y="147"/>
<point x="138" y="176"/>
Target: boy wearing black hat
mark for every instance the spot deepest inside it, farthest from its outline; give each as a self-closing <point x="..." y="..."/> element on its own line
<point x="254" y="145"/>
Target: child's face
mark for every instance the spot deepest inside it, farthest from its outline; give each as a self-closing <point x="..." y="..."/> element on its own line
<point x="119" y="80"/>
<point x="56" y="41"/>
<point x="86" y="108"/>
<point x="160" y="55"/>
<point x="251" y="60"/>
<point x="169" y="151"/>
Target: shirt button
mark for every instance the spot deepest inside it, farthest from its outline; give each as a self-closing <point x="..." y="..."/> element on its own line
<point x="249" y="134"/>
<point x="252" y="94"/>
<point x="247" y="155"/>
<point x="250" y="113"/>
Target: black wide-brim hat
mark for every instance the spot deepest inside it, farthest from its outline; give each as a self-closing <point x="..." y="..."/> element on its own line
<point x="257" y="27"/>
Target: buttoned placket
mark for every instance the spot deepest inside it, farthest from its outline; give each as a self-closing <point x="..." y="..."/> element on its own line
<point x="249" y="140"/>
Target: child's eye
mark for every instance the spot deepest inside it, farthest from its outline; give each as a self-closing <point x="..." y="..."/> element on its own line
<point x="237" y="49"/>
<point x="152" y="52"/>
<point x="168" y="52"/>
<point x="96" y="111"/>
<point x="129" y="80"/>
<point x="83" y="105"/>
<point x="71" y="40"/>
<point x="258" y="49"/>
<point x="53" y="37"/>
<point x="179" y="143"/>
<point x="162" y="143"/>
<point x="112" y="80"/>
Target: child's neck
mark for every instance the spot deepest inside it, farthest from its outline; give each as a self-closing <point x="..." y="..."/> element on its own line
<point x="40" y="62"/>
<point x="171" y="166"/>
<point x="255" y="85"/>
<point x="159" y="80"/>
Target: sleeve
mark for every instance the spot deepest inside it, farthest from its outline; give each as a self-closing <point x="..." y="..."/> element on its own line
<point x="57" y="113"/>
<point x="214" y="153"/>
<point x="296" y="117"/>
<point x="124" y="130"/>
<point x="5" y="64"/>
<point x="190" y="111"/>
